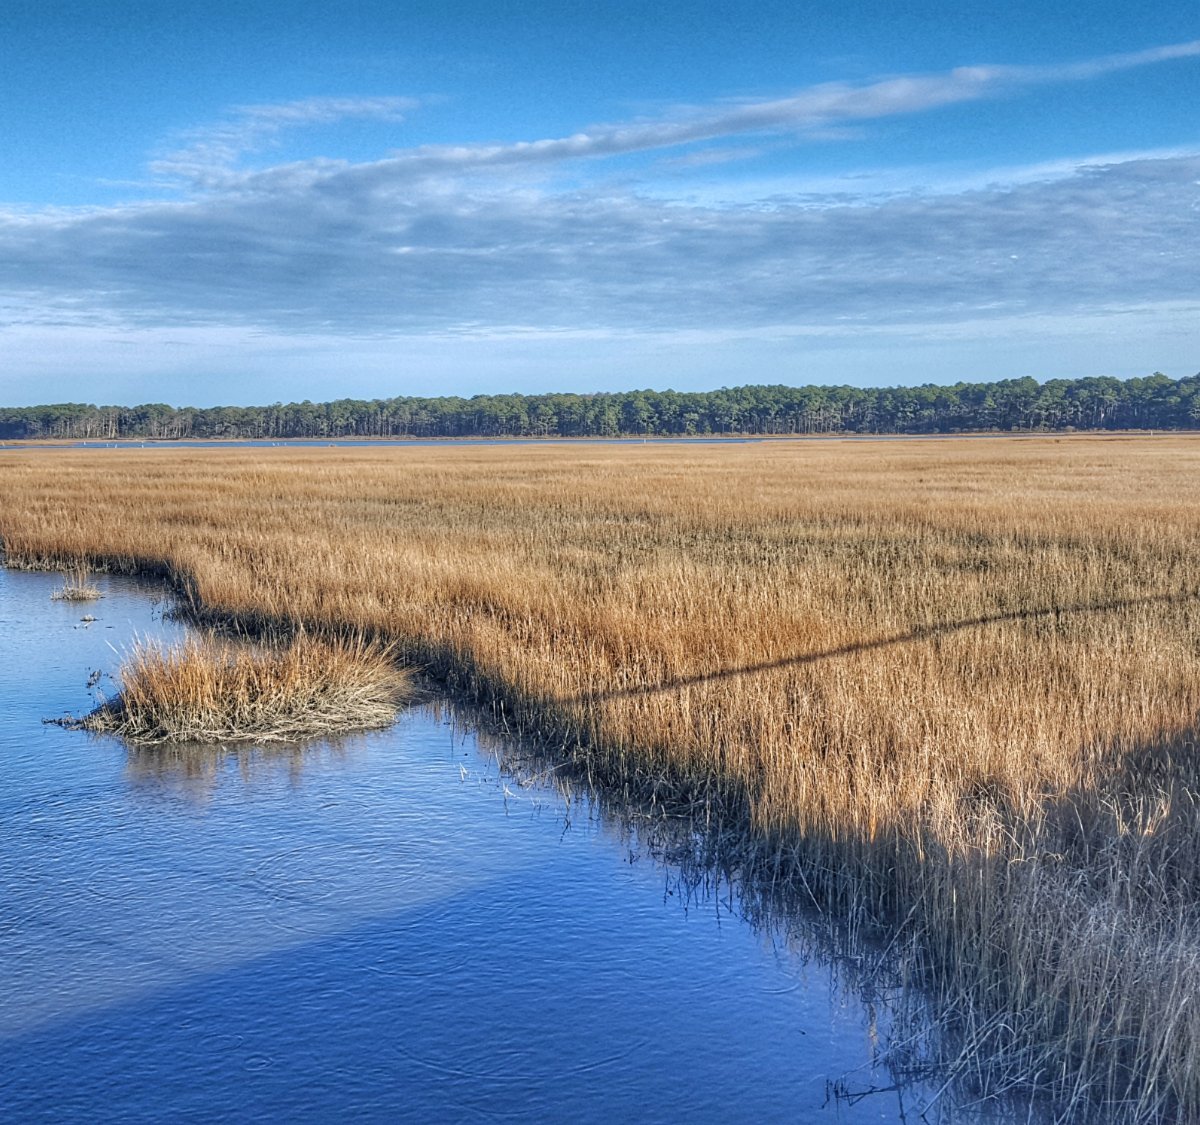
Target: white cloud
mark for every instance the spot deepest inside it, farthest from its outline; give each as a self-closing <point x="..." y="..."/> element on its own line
<point x="390" y="249"/>
<point x="1108" y="64"/>
<point x="873" y="186"/>
<point x="816" y="110"/>
<point x="209" y="154"/>
<point x="342" y="259"/>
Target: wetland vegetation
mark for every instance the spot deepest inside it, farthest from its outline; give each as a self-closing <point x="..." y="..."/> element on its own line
<point x="76" y="587"/>
<point x="209" y="690"/>
<point x="947" y="692"/>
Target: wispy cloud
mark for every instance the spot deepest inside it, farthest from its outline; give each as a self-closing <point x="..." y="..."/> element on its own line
<point x="208" y="155"/>
<point x="416" y="243"/>
<point x="1108" y="64"/>
<point x="816" y="110"/>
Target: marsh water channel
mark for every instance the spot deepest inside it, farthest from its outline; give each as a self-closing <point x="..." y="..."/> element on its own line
<point x="394" y="926"/>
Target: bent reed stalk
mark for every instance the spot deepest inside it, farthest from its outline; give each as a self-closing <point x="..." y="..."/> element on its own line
<point x="949" y="689"/>
<point x="210" y="691"/>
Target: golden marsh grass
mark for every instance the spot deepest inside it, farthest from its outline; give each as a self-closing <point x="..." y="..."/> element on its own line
<point x="948" y="688"/>
<point x="209" y="691"/>
<point x="76" y="587"/>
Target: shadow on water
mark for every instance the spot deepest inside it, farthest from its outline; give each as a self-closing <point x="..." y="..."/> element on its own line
<point x="239" y="1016"/>
<point x="706" y="867"/>
<point x="950" y="1058"/>
<point x="384" y="949"/>
<point x="709" y="864"/>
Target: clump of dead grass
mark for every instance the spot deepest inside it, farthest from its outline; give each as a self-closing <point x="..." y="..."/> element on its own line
<point x="77" y="587"/>
<point x="208" y="690"/>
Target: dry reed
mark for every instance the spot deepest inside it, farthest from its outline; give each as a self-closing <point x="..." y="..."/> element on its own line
<point x="948" y="688"/>
<point x="76" y="587"/>
<point x="211" y="691"/>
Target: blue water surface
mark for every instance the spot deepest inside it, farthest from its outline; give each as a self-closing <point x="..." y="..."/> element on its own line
<point x="385" y="928"/>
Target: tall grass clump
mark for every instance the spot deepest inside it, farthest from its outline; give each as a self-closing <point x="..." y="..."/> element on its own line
<point x="76" y="587"/>
<point x="948" y="689"/>
<point x="211" y="691"/>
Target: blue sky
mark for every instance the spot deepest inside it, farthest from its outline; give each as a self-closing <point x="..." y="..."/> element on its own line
<point x="242" y="203"/>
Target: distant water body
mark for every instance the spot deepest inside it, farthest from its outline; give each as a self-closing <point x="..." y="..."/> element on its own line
<point x="367" y="443"/>
<point x="449" y="443"/>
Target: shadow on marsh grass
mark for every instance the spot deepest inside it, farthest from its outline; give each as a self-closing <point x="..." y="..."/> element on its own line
<point x="921" y="633"/>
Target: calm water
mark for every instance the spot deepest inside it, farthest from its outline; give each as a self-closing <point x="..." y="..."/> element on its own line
<point x="449" y="443"/>
<point x="388" y="928"/>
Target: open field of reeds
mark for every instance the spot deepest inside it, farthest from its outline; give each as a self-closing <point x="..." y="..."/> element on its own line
<point x="948" y="689"/>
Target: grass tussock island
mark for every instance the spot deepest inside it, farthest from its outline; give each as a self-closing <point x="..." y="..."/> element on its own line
<point x="76" y="587"/>
<point x="211" y="691"/>
<point x="948" y="690"/>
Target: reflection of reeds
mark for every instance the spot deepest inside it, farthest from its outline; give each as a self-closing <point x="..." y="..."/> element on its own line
<point x="76" y="587"/>
<point x="206" y="691"/>
<point x="967" y="676"/>
<point x="195" y="771"/>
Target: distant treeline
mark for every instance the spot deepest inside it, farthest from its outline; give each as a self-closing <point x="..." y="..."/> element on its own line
<point x="1102" y="403"/>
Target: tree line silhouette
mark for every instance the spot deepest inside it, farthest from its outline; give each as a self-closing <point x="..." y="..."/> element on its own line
<point x="1094" y="403"/>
